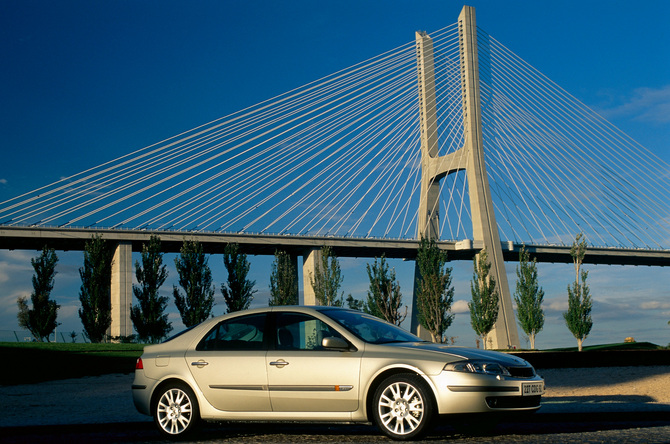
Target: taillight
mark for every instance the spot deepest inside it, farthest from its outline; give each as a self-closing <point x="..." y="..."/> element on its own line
<point x="139" y="365"/>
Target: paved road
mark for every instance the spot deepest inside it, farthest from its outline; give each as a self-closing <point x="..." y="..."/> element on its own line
<point x="586" y="429"/>
<point x="100" y="409"/>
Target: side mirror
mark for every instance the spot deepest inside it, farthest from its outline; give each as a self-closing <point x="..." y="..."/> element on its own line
<point x="333" y="343"/>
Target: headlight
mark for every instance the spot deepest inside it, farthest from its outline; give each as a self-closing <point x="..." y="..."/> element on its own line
<point x="483" y="367"/>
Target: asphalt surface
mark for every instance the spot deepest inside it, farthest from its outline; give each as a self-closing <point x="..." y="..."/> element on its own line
<point x="107" y="400"/>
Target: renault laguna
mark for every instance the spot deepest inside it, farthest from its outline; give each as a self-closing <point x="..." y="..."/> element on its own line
<point x="299" y="363"/>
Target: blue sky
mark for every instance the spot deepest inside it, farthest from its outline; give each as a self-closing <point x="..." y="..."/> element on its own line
<point x="84" y="82"/>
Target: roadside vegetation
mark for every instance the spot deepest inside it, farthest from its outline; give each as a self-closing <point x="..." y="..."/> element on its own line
<point x="40" y="320"/>
<point x="484" y="306"/>
<point x="578" y="317"/>
<point x="433" y="286"/>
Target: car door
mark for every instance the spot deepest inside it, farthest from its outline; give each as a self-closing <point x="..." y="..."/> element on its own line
<point x="229" y="364"/>
<point x="302" y="375"/>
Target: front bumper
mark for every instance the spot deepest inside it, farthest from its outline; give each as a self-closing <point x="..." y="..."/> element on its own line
<point x="478" y="393"/>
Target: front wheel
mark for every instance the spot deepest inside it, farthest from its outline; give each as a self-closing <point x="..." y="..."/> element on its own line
<point x="403" y="407"/>
<point x="176" y="410"/>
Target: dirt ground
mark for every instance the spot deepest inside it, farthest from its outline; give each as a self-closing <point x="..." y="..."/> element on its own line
<point x="635" y="384"/>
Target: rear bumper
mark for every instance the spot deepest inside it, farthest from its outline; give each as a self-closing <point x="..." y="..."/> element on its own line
<point x="142" y="388"/>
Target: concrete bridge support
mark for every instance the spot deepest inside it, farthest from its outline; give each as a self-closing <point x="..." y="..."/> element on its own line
<point x="311" y="261"/>
<point x="484" y="225"/>
<point x="122" y="290"/>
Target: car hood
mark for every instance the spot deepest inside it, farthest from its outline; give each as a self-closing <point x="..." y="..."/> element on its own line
<point x="461" y="353"/>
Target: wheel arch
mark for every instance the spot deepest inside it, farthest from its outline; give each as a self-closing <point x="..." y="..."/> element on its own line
<point x="158" y="390"/>
<point x="378" y="379"/>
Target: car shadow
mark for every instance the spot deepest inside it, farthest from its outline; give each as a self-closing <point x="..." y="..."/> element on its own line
<point x="597" y="399"/>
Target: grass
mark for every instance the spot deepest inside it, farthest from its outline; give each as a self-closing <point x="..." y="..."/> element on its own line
<point x="617" y="346"/>
<point x="31" y="362"/>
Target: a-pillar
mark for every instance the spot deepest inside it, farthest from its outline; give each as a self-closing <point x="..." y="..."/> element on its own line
<point x="122" y="290"/>
<point x="311" y="261"/>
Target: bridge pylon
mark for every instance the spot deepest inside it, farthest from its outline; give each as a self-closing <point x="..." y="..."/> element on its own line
<point x="470" y="157"/>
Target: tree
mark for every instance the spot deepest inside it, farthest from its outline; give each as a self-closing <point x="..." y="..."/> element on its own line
<point x="355" y="304"/>
<point x="239" y="292"/>
<point x="578" y="317"/>
<point x="384" y="296"/>
<point x="148" y="316"/>
<point x="484" y="305"/>
<point x="95" y="293"/>
<point x="529" y="297"/>
<point x="327" y="279"/>
<point x="435" y="294"/>
<point x="283" y="280"/>
<point x="41" y="319"/>
<point x="195" y="278"/>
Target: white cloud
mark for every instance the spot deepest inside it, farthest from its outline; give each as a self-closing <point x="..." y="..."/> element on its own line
<point x="558" y="304"/>
<point x="3" y="181"/>
<point x="460" y="306"/>
<point x="655" y="305"/>
<point x="644" y="104"/>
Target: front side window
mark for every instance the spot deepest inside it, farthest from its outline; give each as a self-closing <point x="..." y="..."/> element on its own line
<point x="296" y="331"/>
<point x="370" y="328"/>
<point x="241" y="333"/>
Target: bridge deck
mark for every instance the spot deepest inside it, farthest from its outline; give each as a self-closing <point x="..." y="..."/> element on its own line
<point x="31" y="238"/>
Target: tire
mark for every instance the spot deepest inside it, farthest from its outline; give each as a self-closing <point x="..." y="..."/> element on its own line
<point x="403" y="407"/>
<point x="175" y="410"/>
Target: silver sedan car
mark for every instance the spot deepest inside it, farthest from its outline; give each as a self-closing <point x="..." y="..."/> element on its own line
<point x="323" y="364"/>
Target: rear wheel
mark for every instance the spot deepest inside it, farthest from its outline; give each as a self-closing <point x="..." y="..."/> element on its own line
<point x="403" y="407"/>
<point x="176" y="410"/>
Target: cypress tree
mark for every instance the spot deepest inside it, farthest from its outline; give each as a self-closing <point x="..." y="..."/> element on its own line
<point x="239" y="292"/>
<point x="578" y="317"/>
<point x="148" y="316"/>
<point x="484" y="305"/>
<point x="327" y="279"/>
<point x="384" y="296"/>
<point x="195" y="278"/>
<point x="435" y="294"/>
<point x="529" y="297"/>
<point x="41" y="319"/>
<point x="283" y="282"/>
<point x="95" y="292"/>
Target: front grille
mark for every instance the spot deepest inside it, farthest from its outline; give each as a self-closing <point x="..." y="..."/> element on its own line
<point x="513" y="402"/>
<point x="521" y="372"/>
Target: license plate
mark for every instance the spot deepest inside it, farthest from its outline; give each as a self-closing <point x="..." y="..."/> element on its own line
<point x="532" y="388"/>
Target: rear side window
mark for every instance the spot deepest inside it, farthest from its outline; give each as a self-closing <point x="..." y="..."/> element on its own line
<point x="242" y="333"/>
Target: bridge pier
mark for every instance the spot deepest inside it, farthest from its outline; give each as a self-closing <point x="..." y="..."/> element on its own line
<point x="311" y="261"/>
<point x="122" y="290"/>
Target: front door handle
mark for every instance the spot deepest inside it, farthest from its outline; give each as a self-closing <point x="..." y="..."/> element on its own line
<point x="199" y="364"/>
<point x="279" y="364"/>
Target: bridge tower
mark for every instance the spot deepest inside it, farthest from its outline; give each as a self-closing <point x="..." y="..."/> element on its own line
<point x="470" y="157"/>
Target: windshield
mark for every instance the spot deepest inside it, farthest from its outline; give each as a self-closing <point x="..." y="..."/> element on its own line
<point x="370" y="328"/>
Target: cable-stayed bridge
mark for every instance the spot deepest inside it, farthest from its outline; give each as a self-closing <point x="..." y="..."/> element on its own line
<point x="342" y="161"/>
